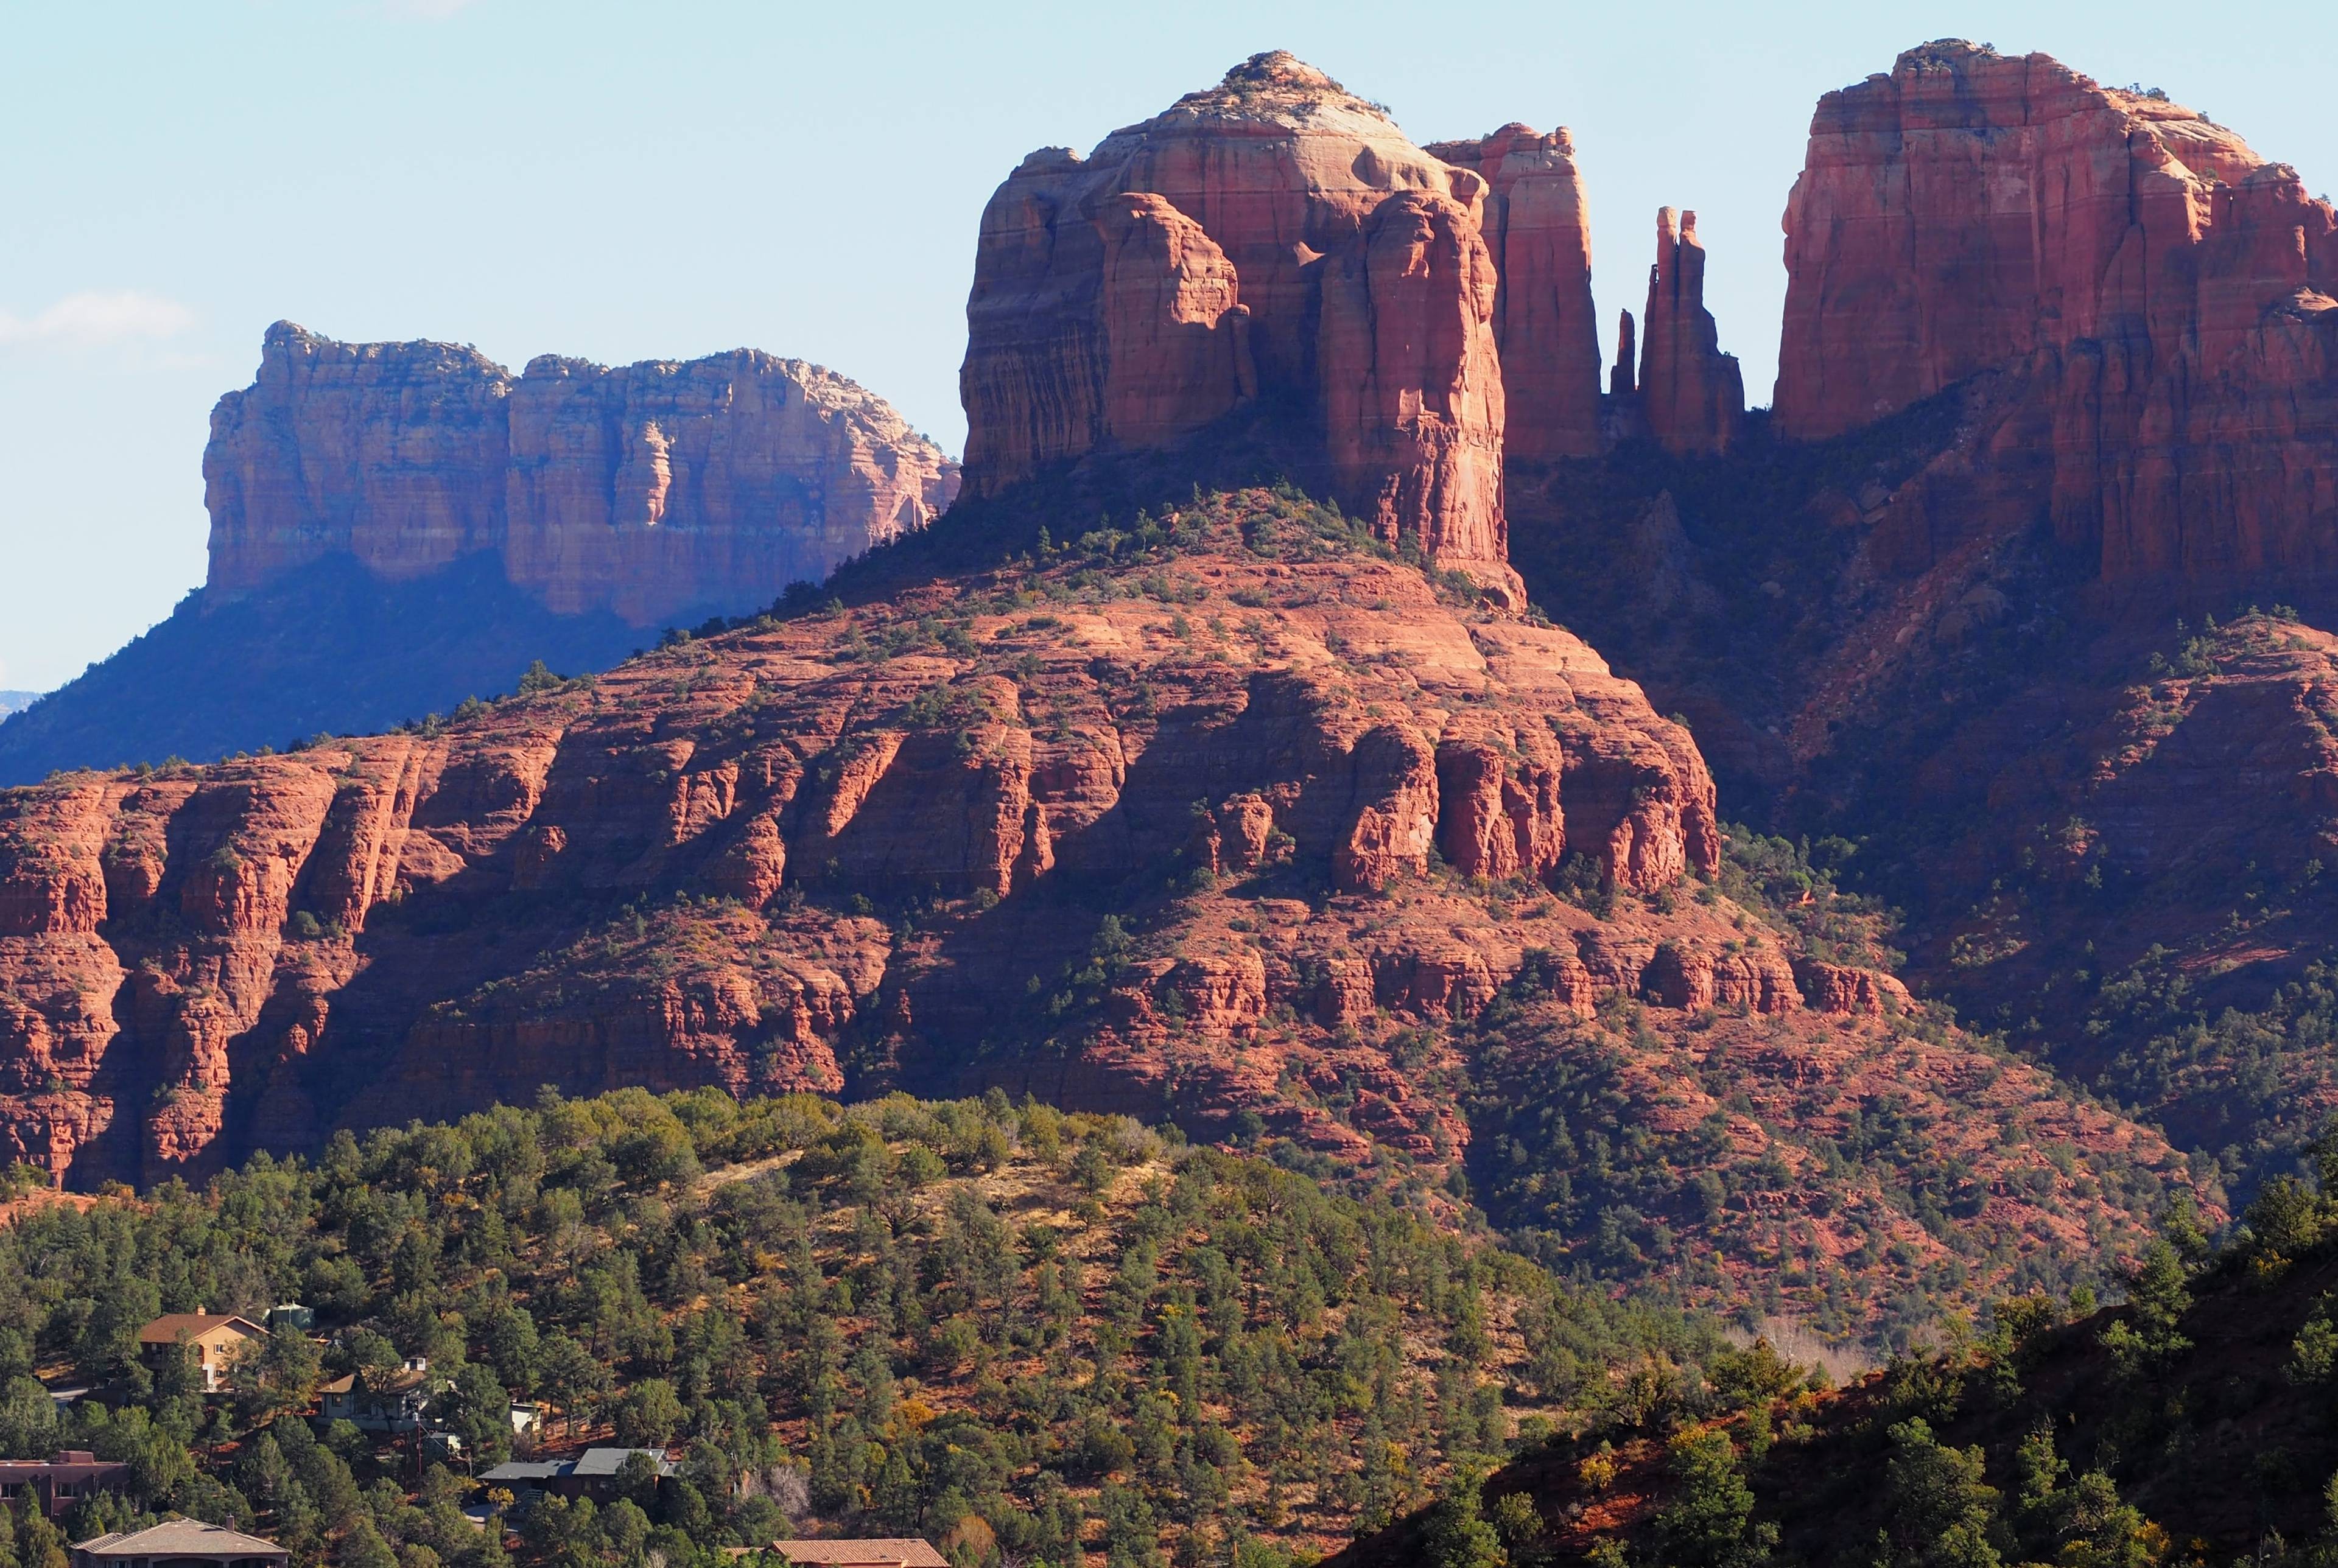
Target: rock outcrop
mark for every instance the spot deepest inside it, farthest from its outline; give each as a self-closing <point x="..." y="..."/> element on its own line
<point x="2164" y="295"/>
<point x="664" y="877"/>
<point x="654" y="490"/>
<point x="1237" y="245"/>
<point x="1537" y="228"/>
<point x="1692" y="395"/>
<point x="1412" y="385"/>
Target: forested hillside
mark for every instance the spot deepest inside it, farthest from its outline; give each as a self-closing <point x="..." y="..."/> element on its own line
<point x="1015" y="1331"/>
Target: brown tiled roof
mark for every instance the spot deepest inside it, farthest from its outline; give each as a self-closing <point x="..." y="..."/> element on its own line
<point x="180" y="1538"/>
<point x="909" y="1552"/>
<point x="381" y="1382"/>
<point x="166" y="1329"/>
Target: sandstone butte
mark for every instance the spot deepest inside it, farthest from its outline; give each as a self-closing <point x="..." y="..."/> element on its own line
<point x="1277" y="238"/>
<point x="1328" y="802"/>
<point x="657" y="491"/>
<point x="2158" y="296"/>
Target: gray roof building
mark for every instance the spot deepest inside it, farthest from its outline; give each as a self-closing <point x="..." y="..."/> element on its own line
<point x="179" y="1544"/>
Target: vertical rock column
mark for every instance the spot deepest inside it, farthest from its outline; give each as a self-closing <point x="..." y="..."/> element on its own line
<point x="1538" y="229"/>
<point x="1692" y="393"/>
<point x="1413" y="385"/>
<point x="1623" y="381"/>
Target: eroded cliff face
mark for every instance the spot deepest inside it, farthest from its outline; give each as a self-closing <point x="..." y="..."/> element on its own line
<point x="1235" y="246"/>
<point x="1537" y="227"/>
<point x="1412" y="385"/>
<point x="653" y="490"/>
<point x="660" y="879"/>
<point x="2163" y="295"/>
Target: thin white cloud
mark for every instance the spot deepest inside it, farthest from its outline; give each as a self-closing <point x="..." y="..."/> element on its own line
<point x="97" y="317"/>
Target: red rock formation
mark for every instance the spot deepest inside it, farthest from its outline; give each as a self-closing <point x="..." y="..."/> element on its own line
<point x="1539" y="234"/>
<point x="1413" y="385"/>
<point x="1126" y="299"/>
<point x="1623" y="381"/>
<point x="210" y="960"/>
<point x="654" y="490"/>
<point x="1691" y="393"/>
<point x="1281" y="165"/>
<point x="393" y="451"/>
<point x="1176" y="337"/>
<point x="2164" y="294"/>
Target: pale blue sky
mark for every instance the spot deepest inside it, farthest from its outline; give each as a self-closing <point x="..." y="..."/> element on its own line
<point x="628" y="180"/>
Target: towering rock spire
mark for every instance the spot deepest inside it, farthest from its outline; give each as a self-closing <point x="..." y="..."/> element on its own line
<point x="1622" y="380"/>
<point x="1691" y="392"/>
<point x="1538" y="232"/>
<point x="1276" y="236"/>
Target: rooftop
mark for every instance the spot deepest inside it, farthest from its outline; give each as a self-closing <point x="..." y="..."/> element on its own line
<point x="166" y="1329"/>
<point x="526" y="1470"/>
<point x="909" y="1550"/>
<point x="609" y="1461"/>
<point x="179" y="1538"/>
<point x="61" y="1459"/>
<point x="593" y="1463"/>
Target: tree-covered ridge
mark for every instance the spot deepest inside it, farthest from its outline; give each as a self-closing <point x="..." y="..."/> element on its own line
<point x="2192" y="1424"/>
<point x="1027" y="1333"/>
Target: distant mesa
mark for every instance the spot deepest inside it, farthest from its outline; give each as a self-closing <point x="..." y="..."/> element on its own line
<point x="16" y="702"/>
<point x="651" y="490"/>
<point x="396" y="526"/>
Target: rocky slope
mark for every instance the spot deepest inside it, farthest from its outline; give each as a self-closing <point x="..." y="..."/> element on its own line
<point x="16" y="702"/>
<point x="1893" y="623"/>
<point x="2103" y="829"/>
<point x="656" y="491"/>
<point x="2162" y="294"/>
<point x="1231" y="817"/>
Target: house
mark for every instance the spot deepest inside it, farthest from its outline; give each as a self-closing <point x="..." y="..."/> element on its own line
<point x="60" y="1481"/>
<point x="591" y="1474"/>
<point x="909" y="1552"/>
<point x="378" y="1401"/>
<point x="179" y="1544"/>
<point x="212" y="1339"/>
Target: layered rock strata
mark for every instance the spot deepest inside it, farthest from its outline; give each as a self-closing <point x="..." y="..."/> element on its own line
<point x="1537" y="228"/>
<point x="1273" y="237"/>
<point x="659" y="879"/>
<point x="1692" y="395"/>
<point x="2163" y="294"/>
<point x="653" y="490"/>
